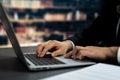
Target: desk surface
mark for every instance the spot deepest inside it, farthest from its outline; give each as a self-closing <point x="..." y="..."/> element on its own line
<point x="12" y="69"/>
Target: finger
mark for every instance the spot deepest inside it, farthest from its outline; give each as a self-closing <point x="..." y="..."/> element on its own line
<point x="81" y="57"/>
<point x="86" y="53"/>
<point x="47" y="47"/>
<point x="39" y="49"/>
<point x="58" y="52"/>
<point x="74" y="53"/>
<point x="68" y="55"/>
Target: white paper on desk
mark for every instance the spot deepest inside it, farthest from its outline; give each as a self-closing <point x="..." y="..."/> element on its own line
<point x="96" y="72"/>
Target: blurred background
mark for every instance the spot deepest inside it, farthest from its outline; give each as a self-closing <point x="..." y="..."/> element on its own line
<point x="37" y="21"/>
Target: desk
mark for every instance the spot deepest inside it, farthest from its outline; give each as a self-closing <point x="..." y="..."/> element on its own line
<point x="12" y="69"/>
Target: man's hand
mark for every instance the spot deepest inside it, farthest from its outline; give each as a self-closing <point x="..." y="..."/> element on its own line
<point x="56" y="47"/>
<point x="97" y="53"/>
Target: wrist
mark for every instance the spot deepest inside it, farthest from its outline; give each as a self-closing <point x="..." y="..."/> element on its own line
<point x="69" y="45"/>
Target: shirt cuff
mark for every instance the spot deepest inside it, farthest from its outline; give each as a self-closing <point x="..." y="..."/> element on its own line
<point x="118" y="55"/>
<point x="73" y="45"/>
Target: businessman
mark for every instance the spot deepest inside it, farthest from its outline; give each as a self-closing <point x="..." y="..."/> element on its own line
<point x="100" y="41"/>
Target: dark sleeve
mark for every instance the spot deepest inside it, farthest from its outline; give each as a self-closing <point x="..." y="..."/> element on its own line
<point x="90" y="36"/>
<point x="102" y="29"/>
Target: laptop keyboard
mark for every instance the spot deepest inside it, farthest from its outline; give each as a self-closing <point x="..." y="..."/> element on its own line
<point x="42" y="61"/>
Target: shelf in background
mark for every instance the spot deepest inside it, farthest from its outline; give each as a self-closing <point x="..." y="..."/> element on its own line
<point x="27" y="20"/>
<point x="38" y="21"/>
<point x="50" y="7"/>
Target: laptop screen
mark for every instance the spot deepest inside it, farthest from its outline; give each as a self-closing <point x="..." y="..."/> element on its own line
<point x="10" y="33"/>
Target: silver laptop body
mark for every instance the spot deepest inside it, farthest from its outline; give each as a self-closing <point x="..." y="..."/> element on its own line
<point x="27" y="62"/>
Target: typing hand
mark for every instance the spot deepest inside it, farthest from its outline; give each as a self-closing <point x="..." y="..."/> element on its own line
<point x="55" y="47"/>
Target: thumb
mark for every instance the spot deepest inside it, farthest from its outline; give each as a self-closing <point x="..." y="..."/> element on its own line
<point x="81" y="57"/>
<point x="58" y="52"/>
<point x="68" y="55"/>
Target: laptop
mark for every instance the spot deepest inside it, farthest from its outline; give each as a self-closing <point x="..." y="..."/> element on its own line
<point x="29" y="59"/>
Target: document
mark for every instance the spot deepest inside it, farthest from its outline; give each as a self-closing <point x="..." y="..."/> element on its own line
<point x="99" y="71"/>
